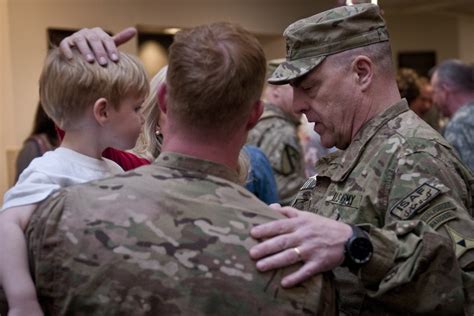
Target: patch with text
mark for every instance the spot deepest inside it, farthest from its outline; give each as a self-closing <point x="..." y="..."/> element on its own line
<point x="345" y="199"/>
<point x="419" y="198"/>
<point x="439" y="214"/>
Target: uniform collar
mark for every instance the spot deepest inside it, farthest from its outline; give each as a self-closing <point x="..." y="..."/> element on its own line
<point x="339" y="164"/>
<point x="188" y="163"/>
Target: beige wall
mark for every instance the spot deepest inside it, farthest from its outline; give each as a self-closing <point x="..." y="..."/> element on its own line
<point x="6" y="101"/>
<point x="411" y="33"/>
<point x="23" y="25"/>
<point x="466" y="39"/>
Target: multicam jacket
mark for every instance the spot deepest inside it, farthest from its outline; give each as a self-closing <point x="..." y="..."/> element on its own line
<point x="277" y="136"/>
<point x="460" y="133"/>
<point x="171" y="238"/>
<point x="401" y="182"/>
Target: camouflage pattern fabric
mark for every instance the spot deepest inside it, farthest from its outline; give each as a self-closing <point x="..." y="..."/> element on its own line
<point x="277" y="136"/>
<point x="310" y="40"/>
<point x="460" y="133"/>
<point x="171" y="238"/>
<point x="402" y="182"/>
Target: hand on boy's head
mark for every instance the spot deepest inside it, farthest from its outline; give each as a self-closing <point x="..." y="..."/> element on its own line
<point x="95" y="44"/>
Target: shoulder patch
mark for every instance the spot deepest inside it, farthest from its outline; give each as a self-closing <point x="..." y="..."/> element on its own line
<point x="414" y="202"/>
<point x="461" y="243"/>
<point x="289" y="160"/>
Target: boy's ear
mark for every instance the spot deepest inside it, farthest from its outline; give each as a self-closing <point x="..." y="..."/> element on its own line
<point x="101" y="110"/>
<point x="162" y="96"/>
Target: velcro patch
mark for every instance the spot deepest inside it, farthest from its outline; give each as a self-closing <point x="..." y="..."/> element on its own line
<point x="442" y="218"/>
<point x="433" y="211"/>
<point x="345" y="199"/>
<point x="407" y="207"/>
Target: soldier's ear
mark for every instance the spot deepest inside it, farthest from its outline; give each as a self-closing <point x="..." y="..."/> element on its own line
<point x="162" y="96"/>
<point x="255" y="114"/>
<point x="363" y="70"/>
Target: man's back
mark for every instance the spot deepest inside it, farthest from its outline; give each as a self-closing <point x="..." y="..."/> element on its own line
<point x="170" y="238"/>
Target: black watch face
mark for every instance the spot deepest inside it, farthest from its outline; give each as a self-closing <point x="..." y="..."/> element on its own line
<point x="361" y="250"/>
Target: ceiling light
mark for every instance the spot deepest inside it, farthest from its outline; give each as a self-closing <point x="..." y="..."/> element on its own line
<point x="171" y="30"/>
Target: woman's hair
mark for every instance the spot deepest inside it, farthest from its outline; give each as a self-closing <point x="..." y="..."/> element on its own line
<point x="43" y="124"/>
<point x="150" y="141"/>
<point x="408" y="83"/>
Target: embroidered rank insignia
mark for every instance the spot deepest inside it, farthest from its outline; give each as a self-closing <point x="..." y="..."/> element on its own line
<point x="419" y="198"/>
<point x="289" y="160"/>
<point x="461" y="243"/>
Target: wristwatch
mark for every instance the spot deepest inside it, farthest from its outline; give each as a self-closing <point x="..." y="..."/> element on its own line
<point x="358" y="249"/>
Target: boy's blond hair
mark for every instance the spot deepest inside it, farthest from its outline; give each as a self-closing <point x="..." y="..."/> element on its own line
<point x="69" y="87"/>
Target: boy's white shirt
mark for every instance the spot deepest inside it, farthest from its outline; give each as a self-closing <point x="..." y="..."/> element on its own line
<point x="54" y="170"/>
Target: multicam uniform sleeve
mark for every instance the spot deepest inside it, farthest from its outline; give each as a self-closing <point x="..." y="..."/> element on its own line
<point x="284" y="151"/>
<point x="424" y="256"/>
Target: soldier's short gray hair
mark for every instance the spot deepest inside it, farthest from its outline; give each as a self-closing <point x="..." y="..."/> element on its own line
<point x="456" y="74"/>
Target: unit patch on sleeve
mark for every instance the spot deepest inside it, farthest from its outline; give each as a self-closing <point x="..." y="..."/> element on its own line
<point x="407" y="207"/>
<point x="461" y="243"/>
<point x="289" y="160"/>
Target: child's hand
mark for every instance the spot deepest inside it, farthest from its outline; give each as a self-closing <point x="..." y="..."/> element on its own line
<point x="26" y="308"/>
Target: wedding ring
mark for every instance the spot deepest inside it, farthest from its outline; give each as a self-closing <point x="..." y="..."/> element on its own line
<point x="298" y="253"/>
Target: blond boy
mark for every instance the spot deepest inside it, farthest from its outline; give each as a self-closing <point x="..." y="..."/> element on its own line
<point x="98" y="107"/>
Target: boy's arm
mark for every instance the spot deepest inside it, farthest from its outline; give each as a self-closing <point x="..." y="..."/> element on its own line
<point x="15" y="275"/>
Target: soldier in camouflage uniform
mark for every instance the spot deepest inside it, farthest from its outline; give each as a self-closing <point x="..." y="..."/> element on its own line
<point x="276" y="134"/>
<point x="453" y="91"/>
<point x="397" y="191"/>
<point x="172" y="238"/>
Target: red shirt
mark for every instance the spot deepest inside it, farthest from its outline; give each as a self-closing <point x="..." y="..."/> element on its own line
<point x="124" y="159"/>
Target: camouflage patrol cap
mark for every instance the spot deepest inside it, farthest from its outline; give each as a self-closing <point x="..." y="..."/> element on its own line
<point x="310" y="40"/>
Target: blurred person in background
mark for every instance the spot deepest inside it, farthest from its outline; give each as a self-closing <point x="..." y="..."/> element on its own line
<point x="453" y="92"/>
<point x="43" y="138"/>
<point x="419" y="94"/>
<point x="276" y="134"/>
